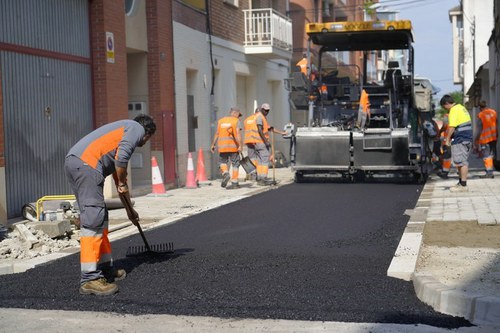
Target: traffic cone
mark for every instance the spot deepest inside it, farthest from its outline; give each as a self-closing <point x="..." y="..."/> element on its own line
<point x="158" y="186"/>
<point x="190" y="181"/>
<point x="201" y="176"/>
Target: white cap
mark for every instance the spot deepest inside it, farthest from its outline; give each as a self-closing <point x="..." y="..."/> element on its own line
<point x="265" y="106"/>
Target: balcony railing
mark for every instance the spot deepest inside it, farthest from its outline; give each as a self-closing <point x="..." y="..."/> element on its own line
<point x="267" y="29"/>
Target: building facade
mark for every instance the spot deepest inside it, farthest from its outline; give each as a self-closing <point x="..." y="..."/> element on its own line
<point x="69" y="67"/>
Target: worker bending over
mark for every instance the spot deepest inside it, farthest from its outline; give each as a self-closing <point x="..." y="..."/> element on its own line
<point x="103" y="152"/>
<point x="228" y="139"/>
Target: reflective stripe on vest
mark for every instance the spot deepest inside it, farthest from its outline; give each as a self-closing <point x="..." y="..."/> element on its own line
<point x="489" y="126"/>
<point x="226" y="140"/>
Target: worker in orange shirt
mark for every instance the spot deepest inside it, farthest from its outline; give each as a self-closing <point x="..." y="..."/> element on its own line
<point x="446" y="152"/>
<point x="303" y="64"/>
<point x="486" y="139"/>
<point x="364" y="110"/>
<point x="228" y="139"/>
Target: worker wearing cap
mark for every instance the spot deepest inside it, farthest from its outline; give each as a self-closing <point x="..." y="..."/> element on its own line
<point x="263" y="145"/>
<point x="228" y="139"/>
<point x="486" y="139"/>
<point x="251" y="138"/>
<point x="103" y="152"/>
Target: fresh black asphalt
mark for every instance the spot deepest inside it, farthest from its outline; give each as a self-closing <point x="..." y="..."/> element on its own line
<point x="302" y="252"/>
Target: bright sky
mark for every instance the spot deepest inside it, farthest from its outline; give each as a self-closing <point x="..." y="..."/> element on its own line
<point x="433" y="39"/>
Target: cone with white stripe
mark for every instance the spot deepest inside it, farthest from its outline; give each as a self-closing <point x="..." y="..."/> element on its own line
<point x="190" y="181"/>
<point x="158" y="186"/>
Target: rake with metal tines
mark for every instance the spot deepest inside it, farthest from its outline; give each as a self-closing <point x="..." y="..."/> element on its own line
<point x="145" y="249"/>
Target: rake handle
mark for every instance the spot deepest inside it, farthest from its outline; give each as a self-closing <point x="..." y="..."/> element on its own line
<point x="128" y="207"/>
<point x="143" y="237"/>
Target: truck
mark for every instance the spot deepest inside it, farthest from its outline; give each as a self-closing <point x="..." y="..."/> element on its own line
<point x="359" y="113"/>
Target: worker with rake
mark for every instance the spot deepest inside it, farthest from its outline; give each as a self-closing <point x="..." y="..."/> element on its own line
<point x="103" y="152"/>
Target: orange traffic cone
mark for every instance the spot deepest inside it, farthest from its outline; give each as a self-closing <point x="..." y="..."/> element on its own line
<point x="201" y="176"/>
<point x="190" y="181"/>
<point x="158" y="186"/>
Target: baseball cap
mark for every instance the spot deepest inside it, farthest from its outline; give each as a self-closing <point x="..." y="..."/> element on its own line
<point x="235" y="109"/>
<point x="265" y="106"/>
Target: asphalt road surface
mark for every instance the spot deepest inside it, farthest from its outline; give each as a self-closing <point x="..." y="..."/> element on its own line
<point x="302" y="252"/>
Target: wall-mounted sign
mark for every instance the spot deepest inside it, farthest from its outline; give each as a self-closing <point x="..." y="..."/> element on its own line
<point x="110" y="47"/>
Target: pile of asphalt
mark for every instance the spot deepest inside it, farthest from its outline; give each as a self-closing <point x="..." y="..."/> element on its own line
<point x="302" y="252"/>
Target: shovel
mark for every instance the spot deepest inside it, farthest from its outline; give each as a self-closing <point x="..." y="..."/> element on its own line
<point x="146" y="248"/>
<point x="247" y="164"/>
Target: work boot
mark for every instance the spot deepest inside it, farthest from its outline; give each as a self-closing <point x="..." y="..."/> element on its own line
<point x="459" y="188"/>
<point x="99" y="287"/>
<point x="486" y="176"/>
<point x="265" y="182"/>
<point x="225" y="179"/>
<point x="233" y="186"/>
<point x="442" y="175"/>
<point x="113" y="275"/>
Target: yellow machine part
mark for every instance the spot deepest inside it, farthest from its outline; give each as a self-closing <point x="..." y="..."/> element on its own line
<point x="39" y="202"/>
<point x="358" y="26"/>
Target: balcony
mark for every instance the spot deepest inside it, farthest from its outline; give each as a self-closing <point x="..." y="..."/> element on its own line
<point x="268" y="33"/>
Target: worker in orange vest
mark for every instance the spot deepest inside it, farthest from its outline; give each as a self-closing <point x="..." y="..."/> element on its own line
<point x="486" y="139"/>
<point x="364" y="110"/>
<point x="445" y="151"/>
<point x="228" y="139"/>
<point x="303" y="64"/>
<point x="251" y="137"/>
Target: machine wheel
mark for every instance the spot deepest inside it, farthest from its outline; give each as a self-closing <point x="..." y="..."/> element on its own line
<point x="29" y="212"/>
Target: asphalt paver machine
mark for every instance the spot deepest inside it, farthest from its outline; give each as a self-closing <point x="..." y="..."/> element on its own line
<point x="355" y="112"/>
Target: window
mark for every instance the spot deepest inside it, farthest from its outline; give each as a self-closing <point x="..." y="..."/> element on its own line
<point x="232" y="2"/>
<point x="131" y="7"/>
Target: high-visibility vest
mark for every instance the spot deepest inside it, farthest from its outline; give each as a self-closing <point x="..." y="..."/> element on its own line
<point x="303" y="65"/>
<point x="364" y="102"/>
<point x="227" y="131"/>
<point x="489" y="126"/>
<point x="252" y="132"/>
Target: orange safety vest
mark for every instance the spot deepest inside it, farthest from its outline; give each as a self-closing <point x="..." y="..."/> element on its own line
<point x="227" y="131"/>
<point x="364" y="102"/>
<point x="489" y="123"/>
<point x="303" y="65"/>
<point x="252" y="132"/>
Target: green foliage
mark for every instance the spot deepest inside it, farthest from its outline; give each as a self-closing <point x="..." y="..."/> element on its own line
<point x="457" y="95"/>
<point x="367" y="5"/>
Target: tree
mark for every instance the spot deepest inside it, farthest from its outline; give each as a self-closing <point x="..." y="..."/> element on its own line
<point x="458" y="96"/>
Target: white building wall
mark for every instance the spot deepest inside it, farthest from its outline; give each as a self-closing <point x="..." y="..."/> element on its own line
<point x="262" y="80"/>
<point x="478" y="23"/>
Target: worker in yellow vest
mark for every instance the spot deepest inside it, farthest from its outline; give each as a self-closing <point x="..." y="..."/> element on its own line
<point x="228" y="139"/>
<point x="459" y="139"/>
<point x="486" y="139"/>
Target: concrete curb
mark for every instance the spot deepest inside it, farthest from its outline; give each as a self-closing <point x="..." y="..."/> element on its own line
<point x="478" y="309"/>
